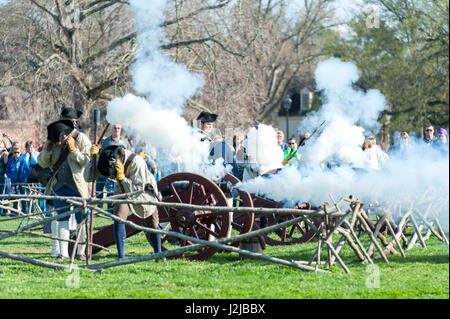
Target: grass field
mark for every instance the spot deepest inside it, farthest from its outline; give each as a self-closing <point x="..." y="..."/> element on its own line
<point x="423" y="274"/>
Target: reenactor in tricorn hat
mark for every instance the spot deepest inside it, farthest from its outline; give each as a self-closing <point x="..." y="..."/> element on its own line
<point x="66" y="153"/>
<point x="218" y="148"/>
<point x="206" y="124"/>
<point x="131" y="173"/>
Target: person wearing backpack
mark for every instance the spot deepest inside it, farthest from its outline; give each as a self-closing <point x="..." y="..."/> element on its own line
<point x="66" y="153"/>
<point x="131" y="173"/>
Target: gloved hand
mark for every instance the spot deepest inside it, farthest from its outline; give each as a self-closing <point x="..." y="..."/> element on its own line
<point x="48" y="145"/>
<point x="71" y="144"/>
<point x="120" y="170"/>
<point x="95" y="149"/>
<point x="285" y="162"/>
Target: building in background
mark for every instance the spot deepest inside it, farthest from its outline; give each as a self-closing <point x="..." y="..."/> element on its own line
<point x="12" y="120"/>
<point x="301" y="105"/>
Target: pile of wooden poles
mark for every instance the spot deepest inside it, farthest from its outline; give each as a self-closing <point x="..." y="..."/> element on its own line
<point x="379" y="227"/>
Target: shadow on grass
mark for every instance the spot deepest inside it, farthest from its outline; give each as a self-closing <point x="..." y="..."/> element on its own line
<point x="435" y="259"/>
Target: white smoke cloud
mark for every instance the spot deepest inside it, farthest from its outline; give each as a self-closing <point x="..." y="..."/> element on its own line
<point x="262" y="148"/>
<point x="176" y="142"/>
<point x="418" y="176"/>
<point x="347" y="114"/>
<point x="166" y="85"/>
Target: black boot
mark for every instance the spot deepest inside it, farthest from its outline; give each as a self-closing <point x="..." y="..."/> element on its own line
<point x="155" y="240"/>
<point x="120" y="235"/>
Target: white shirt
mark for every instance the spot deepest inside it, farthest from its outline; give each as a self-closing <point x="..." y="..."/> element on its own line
<point x="374" y="157"/>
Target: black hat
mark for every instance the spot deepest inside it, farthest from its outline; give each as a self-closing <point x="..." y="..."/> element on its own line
<point x="70" y="113"/>
<point x="59" y="130"/>
<point x="207" y="117"/>
<point x="107" y="159"/>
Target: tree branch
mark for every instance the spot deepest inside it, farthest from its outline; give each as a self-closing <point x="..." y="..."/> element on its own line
<point x="86" y="13"/>
<point x="55" y="17"/>
<point x="111" y="47"/>
<point x="194" y="13"/>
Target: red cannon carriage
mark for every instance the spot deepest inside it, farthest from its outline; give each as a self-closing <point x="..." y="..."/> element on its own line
<point x="190" y="188"/>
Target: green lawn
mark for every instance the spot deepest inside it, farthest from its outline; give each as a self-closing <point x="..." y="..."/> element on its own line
<point x="423" y="274"/>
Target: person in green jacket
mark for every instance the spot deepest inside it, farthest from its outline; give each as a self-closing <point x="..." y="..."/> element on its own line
<point x="292" y="149"/>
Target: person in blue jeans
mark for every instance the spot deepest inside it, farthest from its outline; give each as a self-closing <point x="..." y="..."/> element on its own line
<point x="130" y="172"/>
<point x="18" y="171"/>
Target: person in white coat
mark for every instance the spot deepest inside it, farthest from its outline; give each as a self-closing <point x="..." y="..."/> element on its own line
<point x="374" y="156"/>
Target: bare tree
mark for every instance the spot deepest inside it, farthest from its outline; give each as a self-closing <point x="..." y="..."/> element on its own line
<point x="78" y="52"/>
<point x="270" y="53"/>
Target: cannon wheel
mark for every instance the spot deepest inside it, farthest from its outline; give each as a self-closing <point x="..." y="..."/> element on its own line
<point x="201" y="224"/>
<point x="242" y="222"/>
<point x="295" y="234"/>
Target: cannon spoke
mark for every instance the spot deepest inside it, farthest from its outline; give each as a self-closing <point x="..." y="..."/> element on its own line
<point x="207" y="229"/>
<point x="194" y="189"/>
<point x="175" y="193"/>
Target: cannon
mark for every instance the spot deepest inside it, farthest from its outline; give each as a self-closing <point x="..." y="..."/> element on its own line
<point x="191" y="188"/>
<point x="295" y="234"/>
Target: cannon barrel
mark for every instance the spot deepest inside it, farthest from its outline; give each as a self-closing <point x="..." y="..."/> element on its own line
<point x="179" y="186"/>
<point x="225" y="186"/>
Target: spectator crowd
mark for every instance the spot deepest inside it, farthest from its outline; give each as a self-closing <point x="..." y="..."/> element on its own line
<point x="17" y="160"/>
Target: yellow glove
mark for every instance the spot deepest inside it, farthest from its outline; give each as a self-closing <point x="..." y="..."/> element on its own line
<point x="95" y="149"/>
<point x="120" y="170"/>
<point x="71" y="144"/>
<point x="285" y="162"/>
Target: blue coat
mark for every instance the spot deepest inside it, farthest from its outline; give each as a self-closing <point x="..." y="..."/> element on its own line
<point x="12" y="170"/>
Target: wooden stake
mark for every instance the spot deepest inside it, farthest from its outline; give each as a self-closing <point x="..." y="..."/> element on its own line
<point x="438" y="225"/>
<point x="376" y="232"/>
<point x="372" y="237"/>
<point x="418" y="231"/>
<point x="333" y="251"/>
<point x="36" y="262"/>
<point x="75" y="246"/>
<point x="430" y="227"/>
<point x="358" y="242"/>
<point x="351" y="243"/>
<point x="373" y="228"/>
<point x="388" y="223"/>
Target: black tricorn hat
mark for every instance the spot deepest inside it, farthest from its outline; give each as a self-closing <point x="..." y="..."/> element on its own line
<point x="207" y="117"/>
<point x="107" y="159"/>
<point x="59" y="130"/>
<point x="70" y="113"/>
